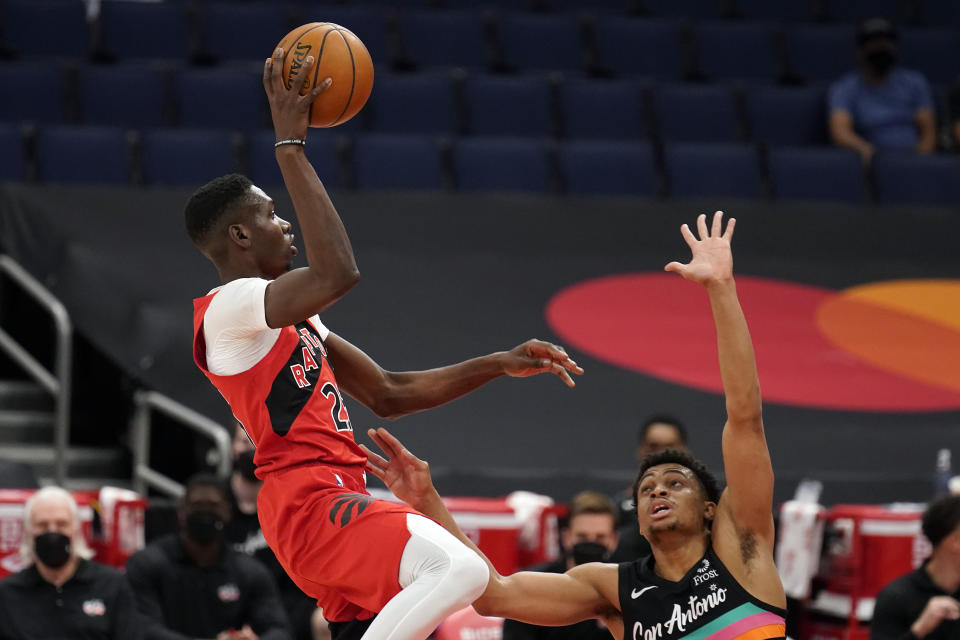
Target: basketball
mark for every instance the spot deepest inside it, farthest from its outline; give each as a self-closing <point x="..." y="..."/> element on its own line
<point x="338" y="54"/>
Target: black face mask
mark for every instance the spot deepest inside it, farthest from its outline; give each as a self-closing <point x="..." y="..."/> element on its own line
<point x="589" y="551"/>
<point x="243" y="464"/>
<point x="204" y="527"/>
<point x="52" y="549"/>
<point x="881" y="61"/>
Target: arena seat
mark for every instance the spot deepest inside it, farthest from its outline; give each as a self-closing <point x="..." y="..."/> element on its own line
<point x="397" y="161"/>
<point x="856" y="11"/>
<point x="501" y="164"/>
<point x="508" y="105"/>
<point x="684" y="9"/>
<point x="536" y="42"/>
<point x="609" y="109"/>
<point x="817" y="174"/>
<point x="140" y="104"/>
<point x="592" y="167"/>
<point x="785" y="11"/>
<point x="369" y="23"/>
<point x="86" y="154"/>
<point x="787" y="115"/>
<point x="700" y="113"/>
<point x="412" y="103"/>
<point x="39" y="95"/>
<point x="12" y="162"/>
<point x="703" y="169"/>
<point x="909" y="178"/>
<point x="737" y="51"/>
<point x="242" y="31"/>
<point x="187" y="156"/>
<point x="940" y="13"/>
<point x="167" y="37"/>
<point x="324" y="157"/>
<point x="220" y="99"/>
<point x="46" y="28"/>
<point x="646" y="48"/>
<point x="444" y="38"/>
<point x="821" y="53"/>
<point x="934" y="52"/>
<point x="594" y="6"/>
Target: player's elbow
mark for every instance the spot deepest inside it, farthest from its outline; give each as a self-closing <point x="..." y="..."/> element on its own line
<point x="493" y="599"/>
<point x="347" y="280"/>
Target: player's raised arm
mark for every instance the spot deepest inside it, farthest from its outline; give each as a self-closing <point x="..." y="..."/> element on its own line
<point x="586" y="591"/>
<point x="391" y="394"/>
<point x="332" y="270"/>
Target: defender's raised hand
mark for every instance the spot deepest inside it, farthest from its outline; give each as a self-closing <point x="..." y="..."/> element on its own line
<point x="536" y="356"/>
<point x="712" y="260"/>
<point x="289" y="109"/>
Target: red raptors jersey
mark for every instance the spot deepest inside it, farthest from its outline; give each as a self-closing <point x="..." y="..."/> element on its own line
<point x="288" y="402"/>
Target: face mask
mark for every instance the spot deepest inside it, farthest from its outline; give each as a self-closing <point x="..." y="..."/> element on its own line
<point x="243" y="464"/>
<point x="881" y="61"/>
<point x="588" y="551"/>
<point x="52" y="549"/>
<point x="204" y="527"/>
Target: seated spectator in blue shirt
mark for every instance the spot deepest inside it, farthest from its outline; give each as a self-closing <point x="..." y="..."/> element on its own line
<point x="881" y="105"/>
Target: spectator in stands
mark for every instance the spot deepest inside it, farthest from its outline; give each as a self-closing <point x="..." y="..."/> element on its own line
<point x="925" y="603"/>
<point x="881" y="105"/>
<point x="590" y="536"/>
<point x="62" y="593"/>
<point x="193" y="585"/>
<point x="243" y="533"/>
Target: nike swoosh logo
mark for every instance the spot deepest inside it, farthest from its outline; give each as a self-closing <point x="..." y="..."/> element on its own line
<point x="636" y="594"/>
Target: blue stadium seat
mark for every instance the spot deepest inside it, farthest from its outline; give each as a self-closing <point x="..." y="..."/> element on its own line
<point x="821" y="53"/>
<point x="46" y="28"/>
<point x="417" y="103"/>
<point x="122" y="31"/>
<point x="322" y="152"/>
<point x="503" y="5"/>
<point x="817" y="174"/>
<point x="38" y="93"/>
<point x="702" y="113"/>
<point x="95" y="155"/>
<point x="128" y="95"/>
<point x="648" y="48"/>
<point x="444" y="38"/>
<point x="788" y="115"/>
<point x="12" y="162"/>
<point x="855" y="11"/>
<point x="501" y="164"/>
<point x="536" y="42"/>
<point x="514" y="105"/>
<point x="701" y="170"/>
<point x="594" y="6"/>
<point x="786" y="11"/>
<point x="602" y="109"/>
<point x="933" y="52"/>
<point x="737" y="51"/>
<point x="369" y="23"/>
<point x="187" y="156"/>
<point x="907" y="178"/>
<point x="220" y="99"/>
<point x="595" y="167"/>
<point x="245" y="32"/>
<point x="940" y="13"/>
<point x="388" y="161"/>
<point x="685" y="9"/>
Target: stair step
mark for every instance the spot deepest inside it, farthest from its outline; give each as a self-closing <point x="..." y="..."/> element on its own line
<point x="25" y="395"/>
<point x="81" y="461"/>
<point x="18" y="426"/>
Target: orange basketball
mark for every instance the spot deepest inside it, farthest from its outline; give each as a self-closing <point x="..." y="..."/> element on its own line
<point x="337" y="54"/>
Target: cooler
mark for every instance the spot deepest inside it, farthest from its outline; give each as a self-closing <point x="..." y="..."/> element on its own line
<point x="491" y="525"/>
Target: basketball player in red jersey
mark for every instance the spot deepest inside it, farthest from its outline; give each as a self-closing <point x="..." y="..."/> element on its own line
<point x="259" y="340"/>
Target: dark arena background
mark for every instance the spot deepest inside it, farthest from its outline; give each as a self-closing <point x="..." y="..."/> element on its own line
<point x="521" y="170"/>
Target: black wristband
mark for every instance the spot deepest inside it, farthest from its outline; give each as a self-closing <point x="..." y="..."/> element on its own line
<point x="299" y="141"/>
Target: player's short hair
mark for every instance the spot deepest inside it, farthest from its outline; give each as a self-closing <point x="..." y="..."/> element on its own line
<point x="941" y="518"/>
<point x="205" y="480"/>
<point x="210" y="202"/>
<point x="662" y="418"/>
<point x="708" y="482"/>
<point x="592" y="502"/>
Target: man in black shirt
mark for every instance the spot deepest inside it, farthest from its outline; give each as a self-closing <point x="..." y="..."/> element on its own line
<point x="925" y="603"/>
<point x="193" y="585"/>
<point x="62" y="594"/>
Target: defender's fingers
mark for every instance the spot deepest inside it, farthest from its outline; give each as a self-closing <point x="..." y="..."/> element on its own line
<point x="688" y="236"/>
<point x="702" y="226"/>
<point x="728" y="234"/>
<point x="675" y="267"/>
<point x="717" y="226"/>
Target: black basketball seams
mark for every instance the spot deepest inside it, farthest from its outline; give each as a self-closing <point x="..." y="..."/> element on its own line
<point x="353" y="75"/>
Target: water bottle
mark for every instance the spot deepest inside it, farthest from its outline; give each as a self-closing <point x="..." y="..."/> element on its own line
<point x="941" y="478"/>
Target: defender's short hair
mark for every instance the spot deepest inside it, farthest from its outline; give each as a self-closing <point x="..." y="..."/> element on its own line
<point x="708" y="482"/>
<point x="941" y="518"/>
<point x="208" y="204"/>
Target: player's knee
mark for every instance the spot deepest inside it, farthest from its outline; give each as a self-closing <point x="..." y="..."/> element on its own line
<point x="470" y="573"/>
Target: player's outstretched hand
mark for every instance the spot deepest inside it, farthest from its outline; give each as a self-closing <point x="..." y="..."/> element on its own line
<point x="536" y="356"/>
<point x="406" y="475"/>
<point x="289" y="109"/>
<point x="712" y="260"/>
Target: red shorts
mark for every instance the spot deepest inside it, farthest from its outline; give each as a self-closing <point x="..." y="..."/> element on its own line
<point x="336" y="542"/>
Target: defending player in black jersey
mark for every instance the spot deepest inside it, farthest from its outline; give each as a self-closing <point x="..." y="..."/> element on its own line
<point x="711" y="574"/>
